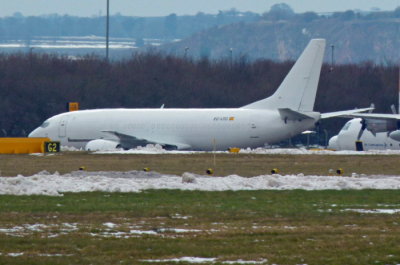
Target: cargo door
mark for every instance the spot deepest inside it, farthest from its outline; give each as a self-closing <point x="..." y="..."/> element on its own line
<point x="62" y="128"/>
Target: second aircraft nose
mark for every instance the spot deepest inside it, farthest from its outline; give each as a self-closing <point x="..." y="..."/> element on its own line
<point x="333" y="143"/>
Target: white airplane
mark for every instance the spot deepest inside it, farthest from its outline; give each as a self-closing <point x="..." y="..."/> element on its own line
<point x="368" y="131"/>
<point x="289" y="111"/>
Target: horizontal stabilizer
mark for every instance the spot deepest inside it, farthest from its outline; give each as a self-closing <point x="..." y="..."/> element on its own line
<point x="344" y="113"/>
<point x="288" y="114"/>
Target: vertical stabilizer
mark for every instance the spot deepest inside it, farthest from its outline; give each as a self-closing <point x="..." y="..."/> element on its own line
<point x="299" y="88"/>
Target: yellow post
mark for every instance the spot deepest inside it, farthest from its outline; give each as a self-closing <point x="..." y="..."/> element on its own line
<point x="234" y="150"/>
<point x="73" y="106"/>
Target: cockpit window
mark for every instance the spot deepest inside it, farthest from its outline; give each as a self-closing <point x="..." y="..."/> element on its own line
<point x="346" y="126"/>
<point x="45" y="124"/>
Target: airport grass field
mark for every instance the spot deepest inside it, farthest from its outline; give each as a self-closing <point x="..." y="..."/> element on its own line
<point x="156" y="227"/>
<point x="222" y="164"/>
<point x="230" y="227"/>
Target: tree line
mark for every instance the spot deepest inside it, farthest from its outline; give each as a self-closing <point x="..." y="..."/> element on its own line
<point x="283" y="12"/>
<point x="34" y="87"/>
<point x="20" y="27"/>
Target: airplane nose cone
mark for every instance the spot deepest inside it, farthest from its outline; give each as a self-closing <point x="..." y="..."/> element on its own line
<point x="333" y="143"/>
<point x="36" y="133"/>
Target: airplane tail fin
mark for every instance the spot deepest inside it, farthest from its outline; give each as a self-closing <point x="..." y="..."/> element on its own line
<point x="299" y="88"/>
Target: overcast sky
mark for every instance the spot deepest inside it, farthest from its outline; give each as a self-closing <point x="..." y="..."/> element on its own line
<point x="180" y="7"/>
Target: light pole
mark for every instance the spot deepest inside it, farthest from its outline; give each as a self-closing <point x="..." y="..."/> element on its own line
<point x="308" y="134"/>
<point x="186" y="49"/>
<point x="333" y="48"/>
<point x="231" y="55"/>
<point x="107" y="27"/>
<point x="326" y="138"/>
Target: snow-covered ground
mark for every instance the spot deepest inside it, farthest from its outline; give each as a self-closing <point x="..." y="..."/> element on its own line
<point x="45" y="183"/>
<point x="198" y="260"/>
<point x="157" y="149"/>
<point x="77" y="42"/>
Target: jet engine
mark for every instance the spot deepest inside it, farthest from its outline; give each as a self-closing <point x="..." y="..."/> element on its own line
<point x="395" y="135"/>
<point x="102" y="145"/>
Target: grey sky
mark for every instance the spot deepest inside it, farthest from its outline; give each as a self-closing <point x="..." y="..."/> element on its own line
<point x="180" y="7"/>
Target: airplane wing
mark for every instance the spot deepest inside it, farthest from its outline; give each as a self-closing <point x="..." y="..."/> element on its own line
<point x="346" y="113"/>
<point x="129" y="141"/>
<point x="376" y="116"/>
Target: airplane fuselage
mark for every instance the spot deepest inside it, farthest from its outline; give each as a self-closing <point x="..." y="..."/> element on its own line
<point x="197" y="129"/>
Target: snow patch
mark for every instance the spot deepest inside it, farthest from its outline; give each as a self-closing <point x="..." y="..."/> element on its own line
<point x="141" y="232"/>
<point x="110" y="225"/>
<point x="70" y="149"/>
<point x="380" y="211"/>
<point x="240" y="261"/>
<point x="178" y="230"/>
<point x="17" y="254"/>
<point x="44" y="183"/>
<point x="157" y="149"/>
<point x="205" y="260"/>
<point x="54" y="255"/>
<point x="178" y="216"/>
<point x="183" y="259"/>
<point x="188" y="178"/>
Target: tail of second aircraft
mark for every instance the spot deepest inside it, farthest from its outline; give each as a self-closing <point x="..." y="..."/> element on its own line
<point x="299" y="88"/>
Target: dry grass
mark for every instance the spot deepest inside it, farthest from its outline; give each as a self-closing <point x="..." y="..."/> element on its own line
<point x="226" y="164"/>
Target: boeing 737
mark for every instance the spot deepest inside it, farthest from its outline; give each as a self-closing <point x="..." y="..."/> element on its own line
<point x="288" y="112"/>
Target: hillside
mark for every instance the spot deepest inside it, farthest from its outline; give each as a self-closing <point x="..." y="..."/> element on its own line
<point x="354" y="40"/>
<point x="19" y="27"/>
<point x="279" y="34"/>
